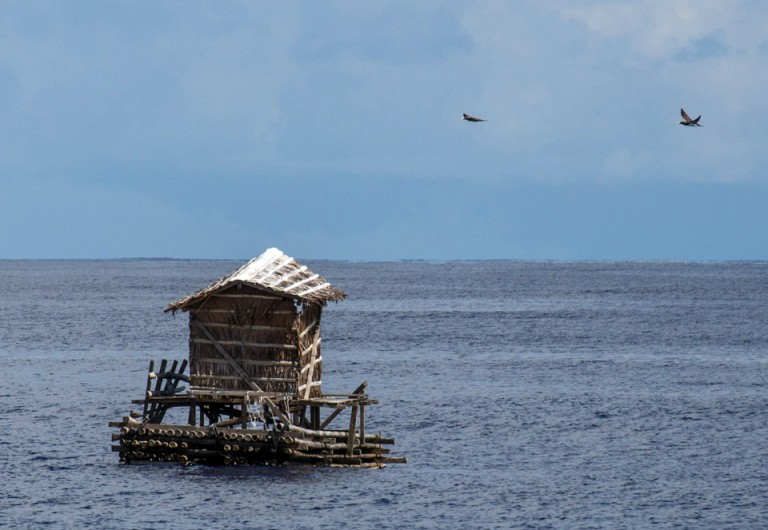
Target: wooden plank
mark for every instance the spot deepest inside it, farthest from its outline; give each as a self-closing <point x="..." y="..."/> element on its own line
<point x="245" y="344"/>
<point x="247" y="362"/>
<point x="232" y="312"/>
<point x="276" y="329"/>
<point x="201" y="393"/>
<point x="164" y="375"/>
<point x="181" y="376"/>
<point x="247" y="296"/>
<point x="237" y="378"/>
<point x="170" y="388"/>
<point x="173" y="376"/>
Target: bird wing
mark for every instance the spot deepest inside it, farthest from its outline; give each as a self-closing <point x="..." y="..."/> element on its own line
<point x="696" y="121"/>
<point x="685" y="116"/>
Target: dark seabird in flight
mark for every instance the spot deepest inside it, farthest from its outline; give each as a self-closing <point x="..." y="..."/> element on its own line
<point x="472" y="118"/>
<point x="687" y="121"/>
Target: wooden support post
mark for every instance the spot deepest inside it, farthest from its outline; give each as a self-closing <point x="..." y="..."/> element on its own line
<point x="314" y="421"/>
<point x="149" y="386"/>
<point x="362" y="423"/>
<point x="159" y="382"/>
<point x="300" y="417"/>
<point x="351" y="437"/>
<point x="244" y="415"/>
<point x="192" y="413"/>
<point x="153" y="408"/>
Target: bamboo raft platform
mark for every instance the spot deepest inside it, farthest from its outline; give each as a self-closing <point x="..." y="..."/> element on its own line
<point x="260" y="427"/>
<point x="254" y="393"/>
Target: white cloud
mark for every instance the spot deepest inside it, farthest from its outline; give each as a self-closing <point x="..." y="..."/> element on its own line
<point x="592" y="89"/>
<point x="198" y="88"/>
<point x="571" y="90"/>
<point x="658" y="29"/>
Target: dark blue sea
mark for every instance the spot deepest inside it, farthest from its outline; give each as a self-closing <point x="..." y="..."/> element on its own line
<point x="524" y="394"/>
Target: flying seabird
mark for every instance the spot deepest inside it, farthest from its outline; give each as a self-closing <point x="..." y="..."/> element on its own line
<point x="472" y="118"/>
<point x="687" y="121"/>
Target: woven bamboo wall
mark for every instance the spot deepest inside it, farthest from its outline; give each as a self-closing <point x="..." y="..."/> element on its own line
<point x="256" y="329"/>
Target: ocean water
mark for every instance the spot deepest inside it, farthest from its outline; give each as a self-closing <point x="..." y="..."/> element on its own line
<point x="525" y="395"/>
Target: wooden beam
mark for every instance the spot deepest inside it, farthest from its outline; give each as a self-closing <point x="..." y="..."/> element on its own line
<point x="331" y="417"/>
<point x="318" y="339"/>
<point x="307" y="329"/>
<point x="310" y="290"/>
<point x="238" y="377"/>
<point x="248" y="327"/>
<point x="306" y="366"/>
<point x="247" y="362"/>
<point x="312" y="361"/>
<point x="314" y="383"/>
<point x="248" y="296"/>
<point x="231" y="312"/>
<point x="358" y="391"/>
<point x="308" y="279"/>
<point x="246" y="344"/>
<point x="285" y="278"/>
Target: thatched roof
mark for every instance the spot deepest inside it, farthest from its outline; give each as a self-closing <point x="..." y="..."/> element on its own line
<point x="274" y="272"/>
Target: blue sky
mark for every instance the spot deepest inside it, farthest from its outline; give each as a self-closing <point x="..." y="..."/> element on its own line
<point x="332" y="129"/>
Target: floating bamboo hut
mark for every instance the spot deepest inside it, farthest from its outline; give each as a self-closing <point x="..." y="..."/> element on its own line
<point x="253" y="392"/>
